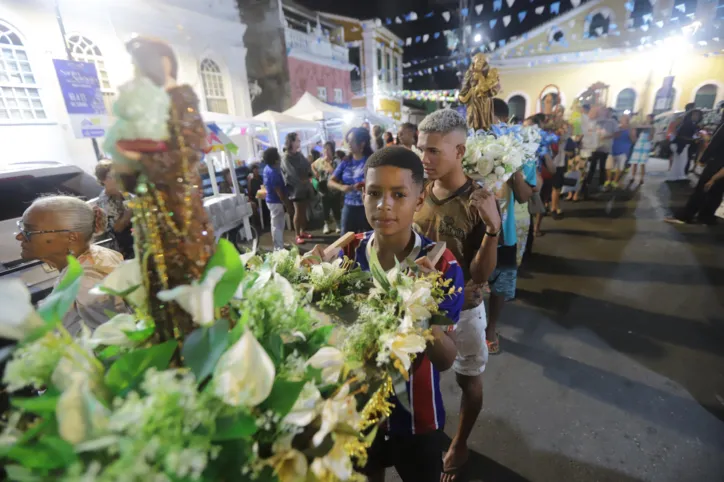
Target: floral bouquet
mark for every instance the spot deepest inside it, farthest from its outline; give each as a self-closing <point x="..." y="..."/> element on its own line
<point x="254" y="393"/>
<point x="493" y="156"/>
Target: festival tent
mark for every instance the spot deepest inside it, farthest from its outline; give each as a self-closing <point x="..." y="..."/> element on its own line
<point x="310" y="108"/>
<point x="286" y="120"/>
<point x="309" y="130"/>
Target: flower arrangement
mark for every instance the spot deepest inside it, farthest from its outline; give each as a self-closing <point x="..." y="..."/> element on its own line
<point x="493" y="156"/>
<point x="255" y="392"/>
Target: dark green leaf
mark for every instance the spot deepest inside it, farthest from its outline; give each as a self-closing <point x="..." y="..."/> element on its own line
<point x="283" y="396"/>
<point x="128" y="370"/>
<point x="239" y="426"/>
<point x="74" y="272"/>
<point x="57" y="304"/>
<point x="203" y="348"/>
<point x="274" y="346"/>
<point x="48" y="453"/>
<point x="227" y="257"/>
<point x="320" y="337"/>
<point x="238" y="330"/>
<point x="45" y="403"/>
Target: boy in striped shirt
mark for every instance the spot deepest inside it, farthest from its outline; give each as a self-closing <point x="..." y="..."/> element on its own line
<point x="393" y="194"/>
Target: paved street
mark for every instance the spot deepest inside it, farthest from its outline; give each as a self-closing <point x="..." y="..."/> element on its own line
<point x="612" y="363"/>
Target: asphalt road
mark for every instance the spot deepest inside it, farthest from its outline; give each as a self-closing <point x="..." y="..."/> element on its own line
<point x="612" y="363"/>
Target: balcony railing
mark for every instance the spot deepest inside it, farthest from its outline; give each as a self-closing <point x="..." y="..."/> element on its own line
<point x="316" y="45"/>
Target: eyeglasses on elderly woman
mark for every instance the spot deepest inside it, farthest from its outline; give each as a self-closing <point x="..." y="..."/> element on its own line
<point x="27" y="234"/>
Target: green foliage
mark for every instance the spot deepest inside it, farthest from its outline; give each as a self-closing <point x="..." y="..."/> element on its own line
<point x="43" y="404"/>
<point x="227" y="257"/>
<point x="283" y="396"/>
<point x="57" y="304"/>
<point x="127" y="372"/>
<point x="203" y="348"/>
<point x="239" y="426"/>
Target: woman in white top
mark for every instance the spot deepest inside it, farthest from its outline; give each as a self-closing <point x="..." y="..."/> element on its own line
<point x="53" y="228"/>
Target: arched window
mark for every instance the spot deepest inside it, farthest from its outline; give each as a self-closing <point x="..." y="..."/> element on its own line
<point x="663" y="102"/>
<point x="626" y="101"/>
<point x="642" y="13"/>
<point x="19" y="93"/>
<point x="213" y="87"/>
<point x="705" y="96"/>
<point x="84" y="50"/>
<point x="516" y="104"/>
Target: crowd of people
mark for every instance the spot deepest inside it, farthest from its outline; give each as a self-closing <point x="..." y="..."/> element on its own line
<point x="402" y="196"/>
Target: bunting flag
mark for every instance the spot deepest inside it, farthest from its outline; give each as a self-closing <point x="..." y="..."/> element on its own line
<point x="556" y="7"/>
<point x="506" y="20"/>
<point x="446" y="16"/>
<point x="575" y="3"/>
<point x="497" y="5"/>
<point x="408" y="42"/>
<point x="510" y="3"/>
<point x="521" y="16"/>
<point x="681" y="7"/>
<point x="425" y="38"/>
<point x="539" y="10"/>
<point x="479" y="9"/>
<point x="464" y="11"/>
<point x="493" y="22"/>
<point x="398" y="20"/>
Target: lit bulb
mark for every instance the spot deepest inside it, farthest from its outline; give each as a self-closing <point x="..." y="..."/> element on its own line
<point x="478" y="37"/>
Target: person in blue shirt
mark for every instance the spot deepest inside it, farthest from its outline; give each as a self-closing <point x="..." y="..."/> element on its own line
<point x="349" y="178"/>
<point x="393" y="193"/>
<point x="622" y="142"/>
<point x="276" y="195"/>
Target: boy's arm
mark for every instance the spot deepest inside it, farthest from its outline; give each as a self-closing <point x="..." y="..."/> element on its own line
<point x="442" y="351"/>
<point x="521" y="189"/>
<point x="486" y="257"/>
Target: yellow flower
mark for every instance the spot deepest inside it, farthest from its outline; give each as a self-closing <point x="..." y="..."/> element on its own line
<point x="404" y="345"/>
<point x="245" y="374"/>
<point x="336" y="411"/>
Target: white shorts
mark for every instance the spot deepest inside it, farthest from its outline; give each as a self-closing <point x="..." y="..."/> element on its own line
<point x="470" y="341"/>
<point x="617" y="162"/>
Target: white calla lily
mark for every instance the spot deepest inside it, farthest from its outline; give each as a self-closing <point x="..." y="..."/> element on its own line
<point x="305" y="408"/>
<point x="337" y="462"/>
<point x="416" y="300"/>
<point x="126" y="276"/>
<point x="113" y="331"/>
<point x="18" y="318"/>
<point x="330" y="360"/>
<point x="341" y="409"/>
<point x="404" y="345"/>
<point x="80" y="415"/>
<point x="290" y="466"/>
<point x="197" y="299"/>
<point x="244" y="375"/>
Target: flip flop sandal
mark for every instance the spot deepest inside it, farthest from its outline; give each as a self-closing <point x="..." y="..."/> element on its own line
<point x="494" y="346"/>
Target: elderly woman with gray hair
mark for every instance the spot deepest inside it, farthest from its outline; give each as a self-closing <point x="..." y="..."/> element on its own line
<point x="54" y="227"/>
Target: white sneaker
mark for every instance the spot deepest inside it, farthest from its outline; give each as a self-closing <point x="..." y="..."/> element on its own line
<point x="326" y="229"/>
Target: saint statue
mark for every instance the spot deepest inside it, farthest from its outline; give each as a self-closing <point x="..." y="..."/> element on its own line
<point x="480" y="85"/>
<point x="156" y="146"/>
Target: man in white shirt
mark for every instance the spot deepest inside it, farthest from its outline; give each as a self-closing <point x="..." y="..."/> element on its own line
<point x="600" y="133"/>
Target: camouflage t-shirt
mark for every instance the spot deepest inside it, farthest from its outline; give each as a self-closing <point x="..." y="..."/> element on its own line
<point x="454" y="221"/>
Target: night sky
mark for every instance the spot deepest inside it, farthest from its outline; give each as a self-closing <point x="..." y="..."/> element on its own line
<point x="438" y="47"/>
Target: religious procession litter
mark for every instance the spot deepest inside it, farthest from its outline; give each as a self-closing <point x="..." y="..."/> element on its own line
<point x="190" y="360"/>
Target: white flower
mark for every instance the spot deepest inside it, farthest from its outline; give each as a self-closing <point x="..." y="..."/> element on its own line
<point x="73" y="365"/>
<point x="417" y="299"/>
<point x="330" y="361"/>
<point x="484" y="166"/>
<point x="267" y="277"/>
<point x="305" y="408"/>
<point x="403" y="345"/>
<point x="494" y="151"/>
<point x="113" y="331"/>
<point x="80" y="415"/>
<point x="336" y="462"/>
<point x="18" y="319"/>
<point x="341" y="409"/>
<point x="499" y="171"/>
<point x="245" y="374"/>
<point x="197" y="299"/>
<point x="126" y="276"/>
<point x="290" y="466"/>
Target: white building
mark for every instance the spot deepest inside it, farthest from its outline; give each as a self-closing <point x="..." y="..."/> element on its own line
<point x="207" y="38"/>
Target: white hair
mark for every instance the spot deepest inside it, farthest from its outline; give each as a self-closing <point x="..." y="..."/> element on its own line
<point x="444" y="121"/>
<point x="74" y="214"/>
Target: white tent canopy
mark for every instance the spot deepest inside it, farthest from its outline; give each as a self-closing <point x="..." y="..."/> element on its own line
<point x="362" y="114"/>
<point x="286" y="120"/>
<point x="310" y="108"/>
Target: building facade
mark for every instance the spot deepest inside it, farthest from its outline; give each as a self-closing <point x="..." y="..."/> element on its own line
<point x="317" y="59"/>
<point x="651" y="61"/>
<point x="208" y="41"/>
<point x="377" y="53"/>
